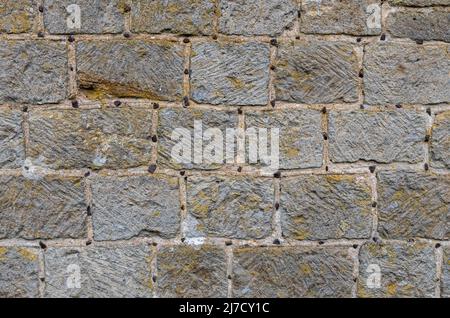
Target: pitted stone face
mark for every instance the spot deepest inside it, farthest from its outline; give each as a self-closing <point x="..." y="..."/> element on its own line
<point x="18" y="16"/>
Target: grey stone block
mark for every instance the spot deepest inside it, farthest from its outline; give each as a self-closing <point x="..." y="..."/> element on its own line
<point x="129" y="207"/>
<point x="12" y="150"/>
<point x="230" y="207"/>
<point x="292" y="272"/>
<point x="75" y="139"/>
<point x="100" y="272"/>
<point x="33" y="72"/>
<point x="316" y="72"/>
<point x="440" y="141"/>
<point x="45" y="208"/>
<point x="230" y="73"/>
<point x="131" y="68"/>
<point x="18" y="16"/>
<point x="387" y="136"/>
<point x="320" y="207"/>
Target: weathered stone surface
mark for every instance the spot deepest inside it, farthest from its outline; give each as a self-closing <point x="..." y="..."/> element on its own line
<point x="355" y="17"/>
<point x="230" y="73"/>
<point x="174" y="16"/>
<point x="33" y="71"/>
<point x="300" y="136"/>
<point x="440" y="141"/>
<point x="106" y="138"/>
<point x="415" y="74"/>
<point x="292" y="272"/>
<point x="127" y="207"/>
<point x="420" y="24"/>
<point x="316" y="72"/>
<point x="231" y="207"/>
<point x="413" y="204"/>
<point x="102" y="271"/>
<point x="179" y="124"/>
<point x="18" y="16"/>
<point x="256" y="17"/>
<point x="381" y="136"/>
<point x="96" y="16"/>
<point x="19" y="272"/>
<point x="131" y="68"/>
<point x="445" y="291"/>
<point x="12" y="151"/>
<point x="186" y="271"/>
<point x="320" y="207"/>
<point x="419" y="3"/>
<point x="42" y="209"/>
<point x="407" y="270"/>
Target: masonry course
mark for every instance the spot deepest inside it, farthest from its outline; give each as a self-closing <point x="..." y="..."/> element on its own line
<point x="92" y="203"/>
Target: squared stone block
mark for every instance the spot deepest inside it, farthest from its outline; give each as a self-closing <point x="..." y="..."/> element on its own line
<point x="396" y="73"/>
<point x="420" y="24"/>
<point x="230" y="73"/>
<point x="256" y="17"/>
<point x="99" y="272"/>
<point x="300" y="136"/>
<point x="42" y="208"/>
<point x="316" y="72"/>
<point x="419" y="3"/>
<point x="440" y="141"/>
<point x="127" y="207"/>
<point x="131" y="68"/>
<point x="19" y="272"/>
<point x="445" y="285"/>
<point x="98" y="138"/>
<point x="412" y="204"/>
<point x="12" y="152"/>
<point x="174" y="16"/>
<point x="192" y="271"/>
<point x="33" y="72"/>
<point x="84" y="16"/>
<point x="321" y="207"/>
<point x="266" y="272"/>
<point x="18" y="16"/>
<point x="394" y="270"/>
<point x="355" y="17"/>
<point x="381" y="136"/>
<point x="230" y="207"/>
<point x="177" y="135"/>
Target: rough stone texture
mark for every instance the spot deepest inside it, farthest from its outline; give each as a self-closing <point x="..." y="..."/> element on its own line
<point x="132" y="68"/>
<point x="96" y="16"/>
<point x="292" y="272"/>
<point x="33" y="71"/>
<point x="415" y="74"/>
<point x="106" y="138"/>
<point x="12" y="151"/>
<point x="171" y="119"/>
<point x="323" y="207"/>
<point x="341" y="17"/>
<point x="316" y="72"/>
<point x="300" y="136"/>
<point x="256" y="17"/>
<point x="407" y="270"/>
<point x="381" y="136"/>
<point x="103" y="272"/>
<point x="19" y="272"/>
<point x="425" y="24"/>
<point x="440" y="141"/>
<point x="419" y="3"/>
<point x="18" y="16"/>
<point x="128" y="207"/>
<point x="445" y="284"/>
<point x="174" y="16"/>
<point x="412" y="204"/>
<point x="44" y="208"/>
<point x="230" y="207"/>
<point x="230" y="73"/>
<point x="186" y="271"/>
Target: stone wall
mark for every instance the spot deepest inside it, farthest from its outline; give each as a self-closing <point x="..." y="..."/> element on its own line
<point x="92" y="204"/>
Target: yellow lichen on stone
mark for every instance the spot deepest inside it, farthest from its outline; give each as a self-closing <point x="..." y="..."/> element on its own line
<point x="28" y="254"/>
